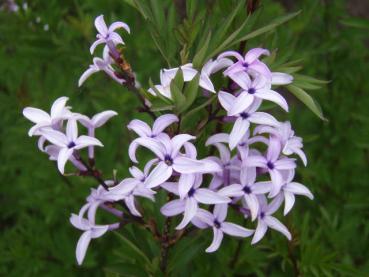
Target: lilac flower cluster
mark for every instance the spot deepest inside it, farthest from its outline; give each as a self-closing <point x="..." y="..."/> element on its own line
<point x="253" y="173"/>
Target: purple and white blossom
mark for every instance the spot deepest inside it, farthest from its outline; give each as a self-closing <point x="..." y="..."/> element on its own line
<point x="266" y="220"/>
<point x="243" y="117"/>
<point x="93" y="123"/>
<point x="107" y="34"/>
<point x="216" y="221"/>
<point x="249" y="63"/>
<point x="42" y="119"/>
<point x="189" y="205"/>
<point x="68" y="142"/>
<point x="273" y="162"/>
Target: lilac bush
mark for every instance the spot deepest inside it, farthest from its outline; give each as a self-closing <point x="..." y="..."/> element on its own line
<point x="250" y="163"/>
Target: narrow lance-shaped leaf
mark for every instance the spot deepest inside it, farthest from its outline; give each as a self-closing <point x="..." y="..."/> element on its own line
<point x="305" y="98"/>
<point x="198" y="60"/>
<point x="191" y="92"/>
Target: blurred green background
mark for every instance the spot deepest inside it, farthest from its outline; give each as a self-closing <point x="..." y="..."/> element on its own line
<point x="331" y="233"/>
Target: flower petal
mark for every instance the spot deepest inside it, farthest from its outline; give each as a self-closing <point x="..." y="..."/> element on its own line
<point x="289" y="201"/>
<point x="178" y="141"/>
<point x="260" y="231"/>
<point x="173" y="208"/>
<point x="151" y="144"/>
<point x="299" y="189"/>
<point x="236" y="230"/>
<point x="185" y="183"/>
<point x="275" y="224"/>
<point x="234" y="190"/>
<point x="190" y="211"/>
<point x="130" y="202"/>
<point x="140" y="128"/>
<point x="36" y="115"/>
<point x="84" y="141"/>
<point x="239" y="129"/>
<point x="58" y="107"/>
<point x="101" y="25"/>
<point x="158" y="175"/>
<point x="263" y="118"/>
<point x="64" y="155"/>
<point x="241" y="103"/>
<point x="254" y="54"/>
<point x="217" y="240"/>
<point x="207" y="196"/>
<point x="279" y="78"/>
<point x="101" y="118"/>
<point x="82" y="246"/>
<point x="274" y="97"/>
<point x="226" y="100"/>
<point x="119" y="24"/>
<point x="163" y="122"/>
<point x="220" y="212"/>
<point x="253" y="205"/>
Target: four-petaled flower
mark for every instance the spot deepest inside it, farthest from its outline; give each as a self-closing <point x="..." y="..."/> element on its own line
<point x="249" y="64"/>
<point x="68" y="142"/>
<point x="107" y="34"/>
<point x="244" y="117"/>
<point x="216" y="220"/>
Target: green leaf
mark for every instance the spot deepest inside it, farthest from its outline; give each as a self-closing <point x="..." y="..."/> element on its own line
<point x="267" y="28"/>
<point x="176" y="86"/>
<point x="305" y="98"/>
<point x="134" y="248"/>
<point x="198" y="108"/>
<point x="198" y="60"/>
<point x="191" y="91"/>
<point x="178" y="79"/>
<point x="222" y="30"/>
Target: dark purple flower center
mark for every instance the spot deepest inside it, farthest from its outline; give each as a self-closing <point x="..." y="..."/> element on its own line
<point x="251" y="90"/>
<point x="217" y="224"/>
<point x="270" y="165"/>
<point x="245" y="65"/>
<point x="247" y="189"/>
<point x="168" y="160"/>
<point x="191" y="192"/>
<point x="71" y="145"/>
<point x="244" y="115"/>
<point x="262" y="214"/>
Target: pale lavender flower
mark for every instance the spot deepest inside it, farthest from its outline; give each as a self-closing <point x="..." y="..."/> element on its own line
<point x="211" y="67"/>
<point x="101" y="64"/>
<point x="42" y="119"/>
<point x="53" y="152"/>
<point x="216" y="220"/>
<point x="90" y="231"/>
<point x="129" y="188"/>
<point x="289" y="189"/>
<point x="266" y="220"/>
<point x="190" y="204"/>
<point x="248" y="189"/>
<point x="142" y="129"/>
<point x="289" y="142"/>
<point x="244" y="117"/>
<point x="170" y="159"/>
<point x="272" y="162"/>
<point x="249" y="63"/>
<point x="107" y="34"/>
<point x="95" y="122"/>
<point x="68" y="142"/>
<point x="260" y="87"/>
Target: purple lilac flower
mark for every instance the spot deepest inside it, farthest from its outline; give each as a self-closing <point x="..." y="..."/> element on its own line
<point x="53" y="152"/>
<point x="216" y="220"/>
<point x="107" y="34"/>
<point x="273" y="163"/>
<point x="289" y="189"/>
<point x="266" y="220"/>
<point x="189" y="205"/>
<point x="290" y="143"/>
<point x="244" y="117"/>
<point x="170" y="159"/>
<point x="90" y="231"/>
<point x="101" y="64"/>
<point x="42" y="119"/>
<point x="259" y="87"/>
<point x="95" y="122"/>
<point x="68" y="142"/>
<point x="249" y="63"/>
<point x="129" y="188"/>
<point x="248" y="189"/>
<point x="142" y="129"/>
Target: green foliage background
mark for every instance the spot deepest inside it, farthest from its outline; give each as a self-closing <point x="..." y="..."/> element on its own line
<point x="331" y="234"/>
